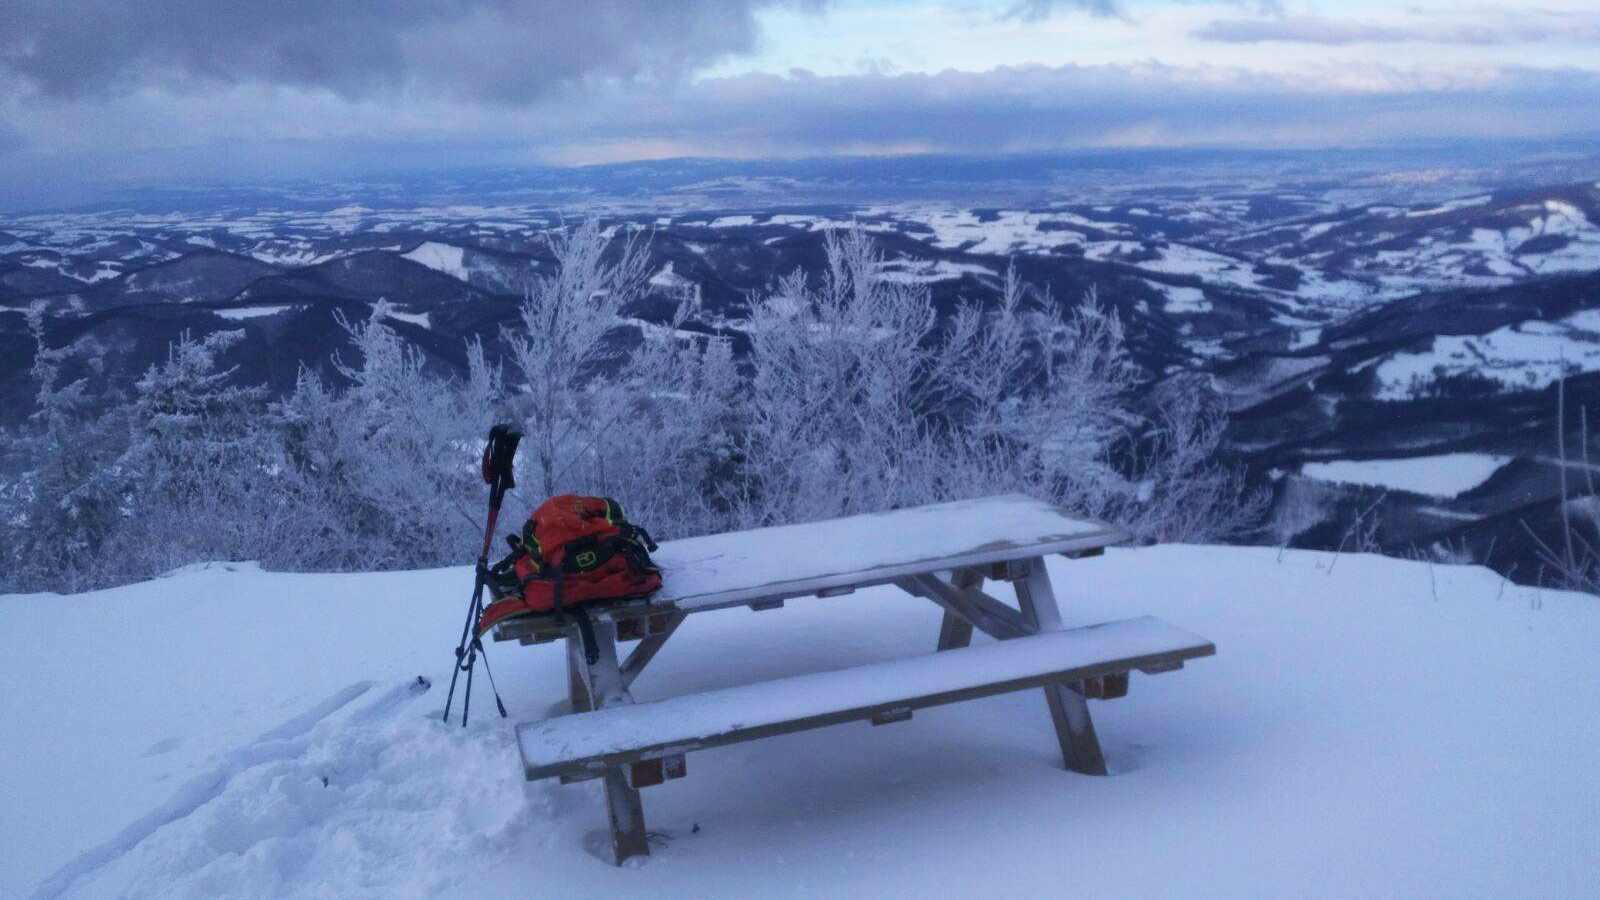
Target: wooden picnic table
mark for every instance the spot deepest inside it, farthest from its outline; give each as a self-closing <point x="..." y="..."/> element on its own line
<point x="942" y="552"/>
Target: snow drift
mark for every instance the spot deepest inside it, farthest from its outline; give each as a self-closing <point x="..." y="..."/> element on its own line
<point x="1369" y="727"/>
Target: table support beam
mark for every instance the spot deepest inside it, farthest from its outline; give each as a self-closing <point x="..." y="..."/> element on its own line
<point x="577" y="681"/>
<point x="648" y="648"/>
<point x="1069" y="709"/>
<point x="954" y="630"/>
<point x="992" y="617"/>
<point x="607" y="687"/>
<point x="961" y="599"/>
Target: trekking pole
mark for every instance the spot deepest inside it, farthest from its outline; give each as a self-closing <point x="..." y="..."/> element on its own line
<point x="498" y="454"/>
<point x="490" y="672"/>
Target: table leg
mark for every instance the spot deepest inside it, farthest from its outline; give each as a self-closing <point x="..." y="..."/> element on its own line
<point x="1069" y="710"/>
<point x="577" y="689"/>
<point x="623" y="806"/>
<point x="955" y="631"/>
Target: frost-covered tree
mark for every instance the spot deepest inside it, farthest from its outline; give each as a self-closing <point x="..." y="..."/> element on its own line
<point x="1183" y="492"/>
<point x="859" y="401"/>
<point x="661" y="456"/>
<point x="1039" y="395"/>
<point x="854" y="397"/>
<point x="566" y="348"/>
<point x="196" y="468"/>
<point x="188" y="416"/>
<point x="843" y="373"/>
<point x="388" y="465"/>
<point x="647" y="422"/>
<point x="63" y="500"/>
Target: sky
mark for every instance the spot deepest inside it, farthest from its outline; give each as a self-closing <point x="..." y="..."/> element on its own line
<point x="100" y="91"/>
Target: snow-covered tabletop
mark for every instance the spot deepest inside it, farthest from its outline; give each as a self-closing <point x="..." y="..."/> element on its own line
<point x="796" y="560"/>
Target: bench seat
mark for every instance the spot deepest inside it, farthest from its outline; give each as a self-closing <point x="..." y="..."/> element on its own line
<point x="587" y="743"/>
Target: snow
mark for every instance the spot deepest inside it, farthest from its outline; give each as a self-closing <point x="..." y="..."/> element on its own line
<point x="171" y="738"/>
<point x="702" y="571"/>
<point x="1010" y="231"/>
<point x="1527" y="356"/>
<point x="1267" y="379"/>
<point x="927" y="271"/>
<point x="1182" y="300"/>
<point x="103" y="271"/>
<point x="446" y="258"/>
<point x="1305" y="337"/>
<point x="1319" y="229"/>
<point x="289" y="253"/>
<point x="670" y="280"/>
<point x="418" y="319"/>
<point x="240" y="313"/>
<point x="1446" y="475"/>
<point x="732" y="221"/>
<point x="1449" y="206"/>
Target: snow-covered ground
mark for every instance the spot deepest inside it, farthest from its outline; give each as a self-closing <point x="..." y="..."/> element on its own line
<point x="445" y="258"/>
<point x="240" y="313"/>
<point x="1445" y="475"/>
<point x="1527" y="356"/>
<point x="1369" y="727"/>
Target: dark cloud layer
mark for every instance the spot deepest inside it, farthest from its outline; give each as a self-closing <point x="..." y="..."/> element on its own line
<point x="496" y="50"/>
<point x="11" y="140"/>
<point x="1040" y="108"/>
<point x="224" y="91"/>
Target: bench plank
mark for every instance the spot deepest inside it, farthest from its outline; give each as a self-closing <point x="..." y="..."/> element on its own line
<point x="589" y="742"/>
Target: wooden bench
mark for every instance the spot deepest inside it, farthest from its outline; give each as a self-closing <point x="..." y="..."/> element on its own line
<point x="943" y="552"/>
<point x="587" y="745"/>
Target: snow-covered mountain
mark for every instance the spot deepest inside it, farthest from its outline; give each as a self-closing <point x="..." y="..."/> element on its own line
<point x="1344" y="320"/>
<point x="225" y="732"/>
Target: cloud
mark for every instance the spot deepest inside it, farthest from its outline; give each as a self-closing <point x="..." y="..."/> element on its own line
<point x="11" y="140"/>
<point x="252" y="131"/>
<point x="505" y="51"/>
<point x="1039" y="10"/>
<point x="1041" y="108"/>
<point x="1525" y="28"/>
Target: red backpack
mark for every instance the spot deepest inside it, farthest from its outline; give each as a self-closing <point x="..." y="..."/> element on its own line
<point x="573" y="551"/>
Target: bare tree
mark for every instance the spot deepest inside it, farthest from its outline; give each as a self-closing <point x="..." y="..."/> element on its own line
<point x="1575" y="563"/>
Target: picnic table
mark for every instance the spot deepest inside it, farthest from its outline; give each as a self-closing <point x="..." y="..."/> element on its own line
<point x="942" y="552"/>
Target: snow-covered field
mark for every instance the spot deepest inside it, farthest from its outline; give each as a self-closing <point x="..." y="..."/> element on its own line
<point x="1445" y="475"/>
<point x="1369" y="727"/>
<point x="1527" y="356"/>
<point x="444" y="258"/>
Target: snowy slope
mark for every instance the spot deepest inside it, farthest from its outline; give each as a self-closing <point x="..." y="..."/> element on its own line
<point x="1369" y="727"/>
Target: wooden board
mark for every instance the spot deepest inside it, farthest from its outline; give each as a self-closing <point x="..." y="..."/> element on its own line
<point x="591" y="742"/>
<point x="764" y="565"/>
